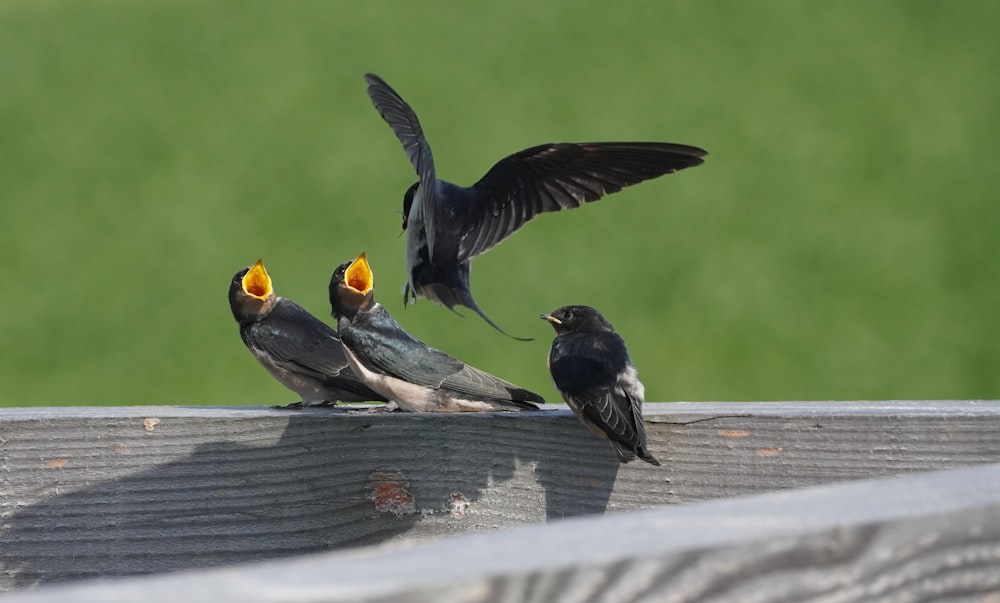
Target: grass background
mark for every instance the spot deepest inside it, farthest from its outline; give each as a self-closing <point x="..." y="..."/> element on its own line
<point x="839" y="243"/>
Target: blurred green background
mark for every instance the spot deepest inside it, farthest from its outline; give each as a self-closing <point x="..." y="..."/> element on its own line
<point x="839" y="243"/>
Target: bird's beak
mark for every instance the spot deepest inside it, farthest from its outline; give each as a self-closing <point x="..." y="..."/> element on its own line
<point x="359" y="275"/>
<point x="257" y="282"/>
<point x="551" y="319"/>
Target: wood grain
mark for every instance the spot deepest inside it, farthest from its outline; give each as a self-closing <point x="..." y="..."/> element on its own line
<point x="88" y="492"/>
<point x="928" y="537"/>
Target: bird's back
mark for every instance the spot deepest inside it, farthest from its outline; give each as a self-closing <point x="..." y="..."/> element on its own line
<point x="384" y="347"/>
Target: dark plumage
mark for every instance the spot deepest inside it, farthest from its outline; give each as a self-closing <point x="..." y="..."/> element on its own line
<point x="448" y="225"/>
<point x="417" y="377"/>
<point x="302" y="352"/>
<point x="592" y="370"/>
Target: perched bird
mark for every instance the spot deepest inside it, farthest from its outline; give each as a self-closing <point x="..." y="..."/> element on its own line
<point x="591" y="368"/>
<point x="449" y="225"/>
<point x="302" y="352"/>
<point x="418" y="378"/>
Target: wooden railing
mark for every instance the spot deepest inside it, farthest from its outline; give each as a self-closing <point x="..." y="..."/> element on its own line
<point x="112" y="492"/>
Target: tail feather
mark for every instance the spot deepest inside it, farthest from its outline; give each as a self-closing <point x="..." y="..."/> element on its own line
<point x="472" y="305"/>
<point x="517" y="405"/>
<point x="626" y="454"/>
<point x="649" y="458"/>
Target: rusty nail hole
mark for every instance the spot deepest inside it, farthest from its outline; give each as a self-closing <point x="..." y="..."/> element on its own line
<point x="390" y="492"/>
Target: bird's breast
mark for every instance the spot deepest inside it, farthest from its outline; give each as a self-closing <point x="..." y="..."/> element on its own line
<point x="306" y="386"/>
<point x="417" y="254"/>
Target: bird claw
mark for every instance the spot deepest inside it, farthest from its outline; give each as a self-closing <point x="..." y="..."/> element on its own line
<point x="301" y="404"/>
<point x="376" y="410"/>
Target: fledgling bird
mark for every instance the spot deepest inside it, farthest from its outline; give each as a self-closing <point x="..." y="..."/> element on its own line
<point x="299" y="350"/>
<point x="449" y="225"/>
<point x="417" y="377"/>
<point x="592" y="370"/>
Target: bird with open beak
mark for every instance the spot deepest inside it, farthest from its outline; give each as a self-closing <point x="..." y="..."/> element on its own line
<point x="299" y="350"/>
<point x="592" y="370"/>
<point x="405" y="370"/>
<point x="448" y="225"/>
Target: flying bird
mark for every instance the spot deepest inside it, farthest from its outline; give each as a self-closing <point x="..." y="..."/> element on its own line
<point x="592" y="370"/>
<point x="448" y="225"/>
<point x="299" y="350"/>
<point x="417" y="377"/>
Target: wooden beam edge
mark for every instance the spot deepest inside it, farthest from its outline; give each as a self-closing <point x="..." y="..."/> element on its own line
<point x="653" y="411"/>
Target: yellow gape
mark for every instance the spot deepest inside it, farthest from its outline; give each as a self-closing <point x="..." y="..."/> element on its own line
<point x="257" y="282"/>
<point x="359" y="275"/>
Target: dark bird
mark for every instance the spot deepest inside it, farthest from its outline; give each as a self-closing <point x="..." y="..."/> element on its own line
<point x="418" y="378"/>
<point x="592" y="370"/>
<point x="449" y="225"/>
<point x="299" y="350"/>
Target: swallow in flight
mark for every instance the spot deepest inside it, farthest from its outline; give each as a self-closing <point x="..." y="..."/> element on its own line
<point x="448" y="225"/>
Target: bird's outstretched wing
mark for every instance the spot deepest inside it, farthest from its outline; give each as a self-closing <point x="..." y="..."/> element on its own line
<point x="404" y="123"/>
<point x="557" y="176"/>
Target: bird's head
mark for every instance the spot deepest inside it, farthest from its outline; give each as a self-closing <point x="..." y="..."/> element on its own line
<point x="251" y="294"/>
<point x="352" y="287"/>
<point x="408" y="203"/>
<point x="572" y="319"/>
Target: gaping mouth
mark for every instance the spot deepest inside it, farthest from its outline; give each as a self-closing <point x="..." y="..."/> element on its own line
<point x="257" y="282"/>
<point x="359" y="275"/>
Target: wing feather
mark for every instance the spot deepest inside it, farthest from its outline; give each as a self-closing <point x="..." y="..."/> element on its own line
<point x="557" y="176"/>
<point x="298" y="341"/>
<point x="382" y="345"/>
<point x="593" y="373"/>
<point x="404" y="123"/>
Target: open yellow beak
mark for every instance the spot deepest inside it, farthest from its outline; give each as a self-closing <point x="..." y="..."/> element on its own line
<point x="257" y="282"/>
<point x="359" y="275"/>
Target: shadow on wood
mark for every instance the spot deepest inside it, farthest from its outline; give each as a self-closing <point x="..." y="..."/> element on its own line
<point x="121" y="495"/>
<point x="920" y="538"/>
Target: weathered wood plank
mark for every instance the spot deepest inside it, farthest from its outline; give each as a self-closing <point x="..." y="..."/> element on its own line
<point x="919" y="538"/>
<point x="89" y="492"/>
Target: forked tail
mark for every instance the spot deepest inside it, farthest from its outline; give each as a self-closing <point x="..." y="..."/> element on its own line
<point x="455" y="296"/>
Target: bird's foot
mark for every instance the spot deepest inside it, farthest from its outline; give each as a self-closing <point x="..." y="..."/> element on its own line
<point x="301" y="404"/>
<point x="376" y="410"/>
